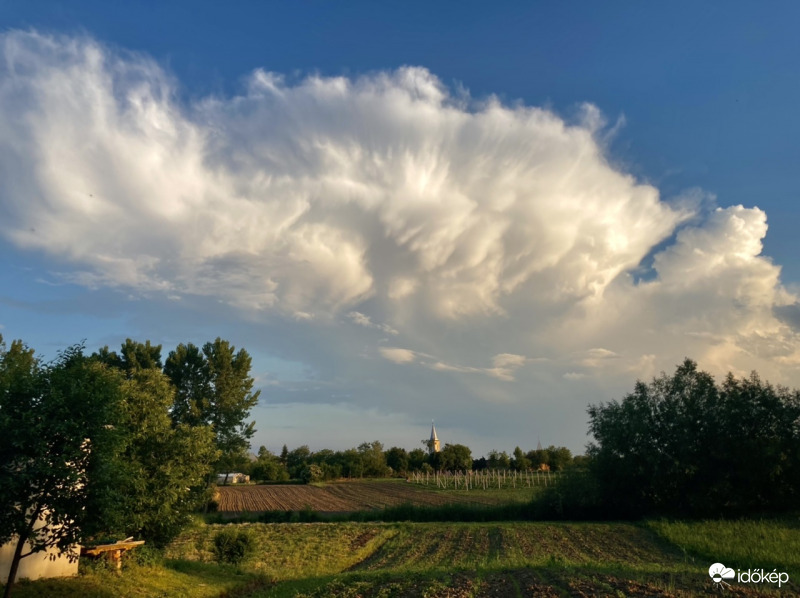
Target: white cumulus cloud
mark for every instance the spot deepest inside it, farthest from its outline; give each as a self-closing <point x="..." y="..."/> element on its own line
<point x="470" y="230"/>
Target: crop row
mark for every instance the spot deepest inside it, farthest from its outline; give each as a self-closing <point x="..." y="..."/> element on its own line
<point x="341" y="497"/>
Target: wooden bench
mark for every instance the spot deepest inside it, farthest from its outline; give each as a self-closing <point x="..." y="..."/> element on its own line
<point x="113" y="552"/>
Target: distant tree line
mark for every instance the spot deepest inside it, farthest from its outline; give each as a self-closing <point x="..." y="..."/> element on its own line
<point x="552" y="458"/>
<point x="370" y="460"/>
<point x="116" y="444"/>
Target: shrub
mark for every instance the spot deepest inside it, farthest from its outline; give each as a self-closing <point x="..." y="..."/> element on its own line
<point x="147" y="556"/>
<point x="311" y="473"/>
<point x="234" y="545"/>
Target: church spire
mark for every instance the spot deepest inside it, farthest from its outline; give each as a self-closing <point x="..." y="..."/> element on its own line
<point x="433" y="443"/>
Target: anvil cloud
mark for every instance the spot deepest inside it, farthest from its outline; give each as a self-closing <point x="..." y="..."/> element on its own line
<point x="395" y="224"/>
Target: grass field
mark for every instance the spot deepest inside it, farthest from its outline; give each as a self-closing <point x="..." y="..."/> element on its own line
<point x="656" y="558"/>
<point x="446" y="559"/>
<point x="452" y="559"/>
<point x="358" y="496"/>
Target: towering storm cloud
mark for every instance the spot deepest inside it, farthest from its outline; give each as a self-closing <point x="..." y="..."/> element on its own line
<point x="416" y="227"/>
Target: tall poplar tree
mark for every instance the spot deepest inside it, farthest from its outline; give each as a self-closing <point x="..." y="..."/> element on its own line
<point x="214" y="388"/>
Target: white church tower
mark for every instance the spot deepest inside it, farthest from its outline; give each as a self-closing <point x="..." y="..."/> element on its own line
<point x="433" y="443"/>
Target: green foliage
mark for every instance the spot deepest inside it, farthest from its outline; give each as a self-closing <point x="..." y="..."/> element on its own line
<point x="456" y="457"/>
<point x="498" y="460"/>
<point x="214" y="388"/>
<point x="373" y="461"/>
<point x="576" y="495"/>
<point x="133" y="356"/>
<point x="312" y="473"/>
<point x="560" y="458"/>
<point x="49" y="415"/>
<point x="297" y="459"/>
<point x="416" y="459"/>
<point x="520" y="462"/>
<point x="557" y="458"/>
<point x="150" y="473"/>
<point x="234" y="546"/>
<point x="147" y="556"/>
<point x="268" y="468"/>
<point x="683" y="445"/>
<point x="350" y="462"/>
<point x="397" y="459"/>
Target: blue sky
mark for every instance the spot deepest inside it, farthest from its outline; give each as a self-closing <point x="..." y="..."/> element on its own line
<point x="487" y="216"/>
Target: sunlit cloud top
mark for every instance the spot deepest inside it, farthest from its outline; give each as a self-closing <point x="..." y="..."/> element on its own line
<point x="469" y="237"/>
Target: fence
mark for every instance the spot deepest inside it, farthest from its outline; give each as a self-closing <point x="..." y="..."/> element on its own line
<point x="485" y="479"/>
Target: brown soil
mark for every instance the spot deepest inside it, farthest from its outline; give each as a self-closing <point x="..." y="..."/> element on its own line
<point x="333" y="498"/>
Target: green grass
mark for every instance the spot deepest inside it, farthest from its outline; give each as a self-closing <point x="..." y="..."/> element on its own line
<point x="505" y="495"/>
<point x="741" y="544"/>
<point x="179" y="579"/>
<point x="291" y="550"/>
<point x="454" y="559"/>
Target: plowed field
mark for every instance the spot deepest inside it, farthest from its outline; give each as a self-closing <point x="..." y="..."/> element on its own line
<point x="340" y="497"/>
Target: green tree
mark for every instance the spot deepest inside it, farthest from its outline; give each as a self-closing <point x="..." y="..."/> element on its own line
<point x="49" y="416"/>
<point x="539" y="457"/>
<point x="683" y="445"/>
<point x="436" y="461"/>
<point x="268" y="467"/>
<point x="350" y="461"/>
<point x="297" y="459"/>
<point x="329" y="463"/>
<point x="416" y="459"/>
<point x="373" y="461"/>
<point x="580" y="462"/>
<point x="397" y="459"/>
<point x="133" y="356"/>
<point x="560" y="458"/>
<point x="520" y="461"/>
<point x="153" y="469"/>
<point x="456" y="457"/>
<point x="214" y="388"/>
<point x="498" y="460"/>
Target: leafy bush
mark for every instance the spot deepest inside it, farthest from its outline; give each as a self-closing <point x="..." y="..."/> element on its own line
<point x="312" y="473"/>
<point x="147" y="556"/>
<point x="234" y="546"/>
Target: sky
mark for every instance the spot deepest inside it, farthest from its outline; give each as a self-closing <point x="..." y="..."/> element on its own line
<point x="485" y="216"/>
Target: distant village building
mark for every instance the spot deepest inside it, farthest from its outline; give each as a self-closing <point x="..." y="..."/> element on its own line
<point x="433" y="444"/>
<point x="232" y="478"/>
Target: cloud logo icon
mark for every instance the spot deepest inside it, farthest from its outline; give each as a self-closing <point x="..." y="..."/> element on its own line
<point x="718" y="572"/>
